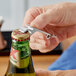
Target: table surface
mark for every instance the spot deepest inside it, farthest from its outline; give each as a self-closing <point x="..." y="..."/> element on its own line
<point x="38" y="61"/>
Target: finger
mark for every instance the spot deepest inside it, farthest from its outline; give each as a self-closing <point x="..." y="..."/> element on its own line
<point x="36" y="46"/>
<point x="41" y="72"/>
<point x="52" y="43"/>
<point x="40" y="21"/>
<point x="44" y="45"/>
<point x="62" y="33"/>
<point x="39" y="41"/>
<point x="59" y="15"/>
<point x="55" y="73"/>
<point x="31" y="14"/>
<point x="37" y="35"/>
<point x="50" y="16"/>
<point x="39" y="44"/>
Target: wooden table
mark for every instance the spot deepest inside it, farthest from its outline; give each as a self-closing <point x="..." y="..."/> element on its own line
<point x="38" y="61"/>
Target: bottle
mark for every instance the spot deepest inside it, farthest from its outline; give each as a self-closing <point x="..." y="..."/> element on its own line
<point x="20" y="63"/>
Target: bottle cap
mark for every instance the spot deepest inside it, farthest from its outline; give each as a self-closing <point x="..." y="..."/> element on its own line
<point x="19" y="36"/>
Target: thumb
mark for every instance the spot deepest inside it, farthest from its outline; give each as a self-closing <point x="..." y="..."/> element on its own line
<point x="51" y="16"/>
<point x="41" y="21"/>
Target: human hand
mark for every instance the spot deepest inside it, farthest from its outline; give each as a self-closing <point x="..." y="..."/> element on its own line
<point x="55" y="73"/>
<point x="58" y="19"/>
<point x="3" y="42"/>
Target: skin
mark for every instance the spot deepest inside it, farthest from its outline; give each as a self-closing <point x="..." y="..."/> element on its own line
<point x="58" y="19"/>
<point x="3" y="42"/>
<point x="42" y="72"/>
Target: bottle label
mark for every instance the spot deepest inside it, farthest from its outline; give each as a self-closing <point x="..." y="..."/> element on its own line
<point x="17" y="60"/>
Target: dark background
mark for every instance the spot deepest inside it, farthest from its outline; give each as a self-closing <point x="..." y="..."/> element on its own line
<point x="6" y="51"/>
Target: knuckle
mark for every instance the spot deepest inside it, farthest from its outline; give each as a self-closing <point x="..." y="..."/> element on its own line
<point x="30" y="11"/>
<point x="43" y="17"/>
<point x="65" y="4"/>
<point x="39" y="35"/>
<point x="33" y="10"/>
<point x="46" y="44"/>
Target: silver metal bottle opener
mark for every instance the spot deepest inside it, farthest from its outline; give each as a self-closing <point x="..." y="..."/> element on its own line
<point x="32" y="30"/>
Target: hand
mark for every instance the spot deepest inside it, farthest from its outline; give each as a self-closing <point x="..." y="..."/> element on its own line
<point x="3" y="42"/>
<point x="58" y="19"/>
<point x="56" y="73"/>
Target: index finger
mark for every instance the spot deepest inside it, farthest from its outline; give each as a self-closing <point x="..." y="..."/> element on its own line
<point x="31" y="14"/>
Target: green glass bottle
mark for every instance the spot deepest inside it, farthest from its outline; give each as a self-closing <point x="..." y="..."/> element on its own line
<point x="20" y="63"/>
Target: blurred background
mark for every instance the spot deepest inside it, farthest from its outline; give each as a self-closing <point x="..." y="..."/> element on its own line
<point x="13" y="12"/>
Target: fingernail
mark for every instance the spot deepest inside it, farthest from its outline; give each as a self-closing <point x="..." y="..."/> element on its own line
<point x="32" y="24"/>
<point x="35" y="25"/>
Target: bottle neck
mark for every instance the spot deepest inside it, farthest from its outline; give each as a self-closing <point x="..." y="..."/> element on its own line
<point x="22" y="47"/>
<point x="20" y="53"/>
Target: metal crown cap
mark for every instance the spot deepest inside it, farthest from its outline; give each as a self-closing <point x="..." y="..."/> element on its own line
<point x="19" y="36"/>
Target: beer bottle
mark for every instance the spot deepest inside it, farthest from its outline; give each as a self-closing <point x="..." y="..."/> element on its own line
<point x="20" y="63"/>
